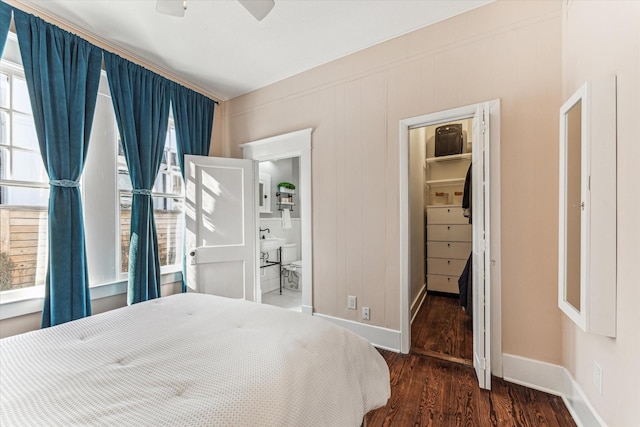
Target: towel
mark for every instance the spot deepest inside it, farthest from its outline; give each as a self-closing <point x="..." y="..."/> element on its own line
<point x="286" y="219"/>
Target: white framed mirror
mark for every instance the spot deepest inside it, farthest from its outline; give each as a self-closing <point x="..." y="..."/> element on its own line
<point x="264" y="193"/>
<point x="574" y="206"/>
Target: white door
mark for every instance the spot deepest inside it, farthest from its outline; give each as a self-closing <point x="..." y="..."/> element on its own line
<point x="219" y="216"/>
<point x="480" y="211"/>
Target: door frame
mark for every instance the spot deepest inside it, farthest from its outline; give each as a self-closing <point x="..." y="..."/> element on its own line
<point x="293" y="144"/>
<point x="494" y="305"/>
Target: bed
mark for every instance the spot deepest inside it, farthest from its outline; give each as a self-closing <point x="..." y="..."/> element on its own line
<point x="191" y="360"/>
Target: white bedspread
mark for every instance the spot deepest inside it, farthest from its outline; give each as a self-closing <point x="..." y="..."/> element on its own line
<point x="191" y="359"/>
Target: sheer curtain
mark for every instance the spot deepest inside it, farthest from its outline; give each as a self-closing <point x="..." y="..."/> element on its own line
<point x="141" y="101"/>
<point x="62" y="73"/>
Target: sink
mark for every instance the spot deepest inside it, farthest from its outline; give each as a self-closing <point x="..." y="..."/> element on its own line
<point x="271" y="243"/>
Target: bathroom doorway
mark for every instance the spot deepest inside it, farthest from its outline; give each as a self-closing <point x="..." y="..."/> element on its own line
<point x="283" y="219"/>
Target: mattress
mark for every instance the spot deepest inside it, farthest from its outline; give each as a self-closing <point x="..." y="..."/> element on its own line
<point x="191" y="360"/>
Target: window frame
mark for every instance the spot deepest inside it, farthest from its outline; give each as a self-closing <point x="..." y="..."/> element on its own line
<point x="19" y="302"/>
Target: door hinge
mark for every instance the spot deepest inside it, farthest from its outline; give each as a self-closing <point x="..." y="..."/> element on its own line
<point x="483" y="126"/>
<point x="483" y="363"/>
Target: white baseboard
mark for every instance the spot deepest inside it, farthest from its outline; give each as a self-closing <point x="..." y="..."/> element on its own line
<point x="387" y="339"/>
<point x="417" y="302"/>
<point x="553" y="379"/>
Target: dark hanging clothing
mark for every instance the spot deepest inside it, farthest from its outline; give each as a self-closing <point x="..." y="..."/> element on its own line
<point x="465" y="286"/>
<point x="466" y="196"/>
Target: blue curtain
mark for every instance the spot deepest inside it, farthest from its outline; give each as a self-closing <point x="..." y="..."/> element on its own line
<point x="141" y="102"/>
<point x="62" y="73"/>
<point x="193" y="119"/>
<point x="5" y="20"/>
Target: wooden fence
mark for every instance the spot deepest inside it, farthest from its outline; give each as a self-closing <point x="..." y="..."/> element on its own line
<point x="23" y="243"/>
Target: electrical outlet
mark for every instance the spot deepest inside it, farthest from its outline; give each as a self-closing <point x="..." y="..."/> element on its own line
<point x="351" y="302"/>
<point x="365" y="313"/>
<point x="597" y="377"/>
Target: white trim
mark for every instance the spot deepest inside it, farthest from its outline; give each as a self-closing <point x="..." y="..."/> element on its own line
<point x="293" y="144"/>
<point x="387" y="339"/>
<point x="418" y="301"/>
<point x="553" y="379"/>
<point x="20" y="307"/>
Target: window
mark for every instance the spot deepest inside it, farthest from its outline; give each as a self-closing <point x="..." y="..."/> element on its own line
<point x="168" y="203"/>
<point x="106" y="195"/>
<point x="24" y="187"/>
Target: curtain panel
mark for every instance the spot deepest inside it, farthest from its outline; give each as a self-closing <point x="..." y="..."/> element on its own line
<point x="5" y="21"/>
<point x="141" y="102"/>
<point x="193" y="120"/>
<point x="62" y="73"/>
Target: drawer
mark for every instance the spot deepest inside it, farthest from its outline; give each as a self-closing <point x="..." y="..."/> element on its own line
<point x="449" y="233"/>
<point x="446" y="215"/>
<point x="441" y="283"/>
<point x="457" y="250"/>
<point x="447" y="267"/>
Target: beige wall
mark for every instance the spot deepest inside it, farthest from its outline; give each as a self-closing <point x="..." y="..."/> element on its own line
<point x="507" y="50"/>
<point x="417" y="155"/>
<point x="603" y="38"/>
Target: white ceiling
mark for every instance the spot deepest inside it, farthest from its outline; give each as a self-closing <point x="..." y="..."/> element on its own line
<point x="221" y="49"/>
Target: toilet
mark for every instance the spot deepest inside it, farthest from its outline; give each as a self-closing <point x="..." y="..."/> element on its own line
<point x="291" y="267"/>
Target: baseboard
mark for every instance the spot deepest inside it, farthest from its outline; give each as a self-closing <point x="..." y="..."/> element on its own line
<point x="417" y="302"/>
<point x="387" y="339"/>
<point x="553" y="379"/>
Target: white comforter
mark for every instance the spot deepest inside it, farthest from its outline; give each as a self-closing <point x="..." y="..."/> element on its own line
<point x="191" y="359"/>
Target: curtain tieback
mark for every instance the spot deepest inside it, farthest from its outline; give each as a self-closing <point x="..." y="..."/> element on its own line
<point x="141" y="191"/>
<point x="64" y="183"/>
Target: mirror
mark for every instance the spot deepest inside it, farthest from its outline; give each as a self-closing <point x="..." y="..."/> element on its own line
<point x="264" y="193"/>
<point x="574" y="181"/>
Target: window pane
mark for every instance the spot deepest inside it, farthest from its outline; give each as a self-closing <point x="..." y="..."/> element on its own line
<point x="4" y="163"/>
<point x="168" y="213"/>
<point x="21" y="100"/>
<point x="24" y="132"/>
<point x="169" y="218"/>
<point x="5" y="128"/>
<point x="28" y="166"/>
<point x="24" y="246"/>
<point x="20" y="196"/>
<point x="125" y="224"/>
<point x="5" y="94"/>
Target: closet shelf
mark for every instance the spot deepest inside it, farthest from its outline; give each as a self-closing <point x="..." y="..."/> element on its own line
<point x="443" y="182"/>
<point x="448" y="158"/>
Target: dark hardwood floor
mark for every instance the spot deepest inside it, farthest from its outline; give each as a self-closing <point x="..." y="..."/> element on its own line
<point x="429" y="391"/>
<point x="442" y="329"/>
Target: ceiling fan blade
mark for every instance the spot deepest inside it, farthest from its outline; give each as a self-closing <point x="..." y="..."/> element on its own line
<point x="171" y="7"/>
<point x="258" y="8"/>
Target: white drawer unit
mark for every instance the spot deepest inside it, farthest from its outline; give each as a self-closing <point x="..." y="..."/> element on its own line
<point x="447" y="267"/>
<point x="457" y="250"/>
<point x="449" y="233"/>
<point x="446" y="215"/>
<point x="440" y="283"/>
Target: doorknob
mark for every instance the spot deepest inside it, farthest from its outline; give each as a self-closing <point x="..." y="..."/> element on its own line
<point x="581" y="205"/>
<point x="192" y="253"/>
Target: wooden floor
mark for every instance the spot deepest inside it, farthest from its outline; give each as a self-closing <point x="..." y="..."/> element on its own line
<point x="429" y="391"/>
<point x="442" y="329"/>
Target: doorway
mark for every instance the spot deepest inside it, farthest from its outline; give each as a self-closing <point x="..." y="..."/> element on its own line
<point x="441" y="240"/>
<point x="287" y="146"/>
<point x="485" y="231"/>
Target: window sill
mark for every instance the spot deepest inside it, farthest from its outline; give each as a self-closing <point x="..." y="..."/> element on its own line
<point x="32" y="302"/>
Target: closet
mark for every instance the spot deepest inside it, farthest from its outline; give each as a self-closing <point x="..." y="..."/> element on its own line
<point x="448" y="234"/>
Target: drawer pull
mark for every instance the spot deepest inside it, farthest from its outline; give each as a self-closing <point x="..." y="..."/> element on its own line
<point x="448" y="210"/>
<point x="448" y="227"/>
<point x="448" y="261"/>
<point x="448" y="279"/>
<point x="448" y="245"/>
